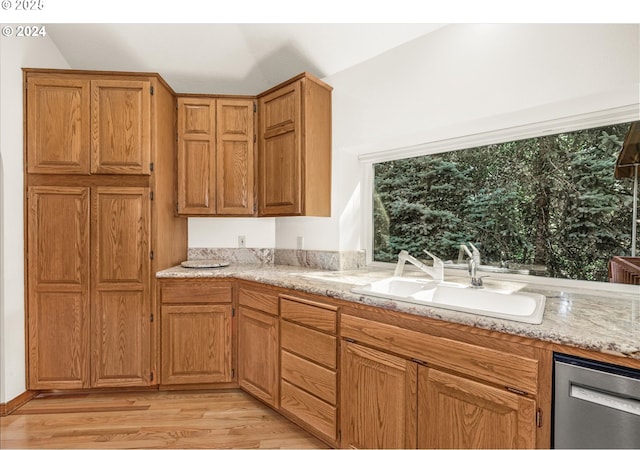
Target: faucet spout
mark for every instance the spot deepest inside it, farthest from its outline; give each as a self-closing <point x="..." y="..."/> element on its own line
<point x="474" y="263"/>
<point x="436" y="272"/>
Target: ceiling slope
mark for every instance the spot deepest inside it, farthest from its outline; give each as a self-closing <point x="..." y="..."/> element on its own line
<point x="228" y="58"/>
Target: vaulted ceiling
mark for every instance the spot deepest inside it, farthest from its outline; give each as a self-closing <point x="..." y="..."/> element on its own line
<point x="228" y="58"/>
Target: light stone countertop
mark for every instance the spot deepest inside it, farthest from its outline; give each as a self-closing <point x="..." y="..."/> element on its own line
<point x="601" y="321"/>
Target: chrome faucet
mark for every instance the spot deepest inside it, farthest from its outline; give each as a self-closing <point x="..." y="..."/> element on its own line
<point x="436" y="272"/>
<point x="474" y="263"/>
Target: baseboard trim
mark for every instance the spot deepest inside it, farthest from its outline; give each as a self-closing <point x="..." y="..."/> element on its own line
<point x="12" y="405"/>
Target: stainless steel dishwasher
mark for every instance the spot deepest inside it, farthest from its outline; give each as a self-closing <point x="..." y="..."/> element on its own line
<point x="595" y="405"/>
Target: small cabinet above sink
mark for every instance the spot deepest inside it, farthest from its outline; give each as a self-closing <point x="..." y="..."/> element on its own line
<point x="500" y="303"/>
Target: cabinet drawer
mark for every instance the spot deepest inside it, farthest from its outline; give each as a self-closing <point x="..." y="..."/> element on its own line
<point x="306" y="407"/>
<point x="261" y="300"/>
<point x="315" y="315"/>
<point x="196" y="292"/>
<point x="311" y="377"/>
<point x="313" y="345"/>
<point x="494" y="366"/>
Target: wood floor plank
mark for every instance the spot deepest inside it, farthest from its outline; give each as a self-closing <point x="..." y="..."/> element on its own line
<point x="165" y="419"/>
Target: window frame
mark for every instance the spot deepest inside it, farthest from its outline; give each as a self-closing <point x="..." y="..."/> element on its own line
<point x="601" y="118"/>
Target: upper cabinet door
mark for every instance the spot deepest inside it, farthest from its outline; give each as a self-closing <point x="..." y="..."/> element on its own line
<point x="235" y="168"/>
<point x="196" y="156"/>
<point x="280" y="167"/>
<point x="120" y="126"/>
<point x="294" y="152"/>
<point x="58" y="126"/>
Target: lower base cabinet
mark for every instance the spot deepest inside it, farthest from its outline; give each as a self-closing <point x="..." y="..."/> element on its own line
<point x="379" y="401"/>
<point x="308" y="365"/>
<point x="391" y="402"/>
<point x="440" y="393"/>
<point x="258" y="344"/>
<point x="196" y="345"/>
<point x="454" y="412"/>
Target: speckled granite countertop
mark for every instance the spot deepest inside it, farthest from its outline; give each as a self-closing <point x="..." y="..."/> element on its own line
<point x="595" y="320"/>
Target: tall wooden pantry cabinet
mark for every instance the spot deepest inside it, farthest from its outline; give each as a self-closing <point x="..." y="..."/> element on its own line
<point x="100" y="220"/>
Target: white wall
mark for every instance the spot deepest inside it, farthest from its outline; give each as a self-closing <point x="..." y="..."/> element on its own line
<point x="466" y="79"/>
<point x="15" y="53"/>
<point x="223" y="232"/>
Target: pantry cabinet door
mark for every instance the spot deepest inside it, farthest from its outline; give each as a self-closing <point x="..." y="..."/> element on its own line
<point x="58" y="131"/>
<point x="121" y="126"/>
<point x="58" y="287"/>
<point x="455" y="412"/>
<point x="120" y="327"/>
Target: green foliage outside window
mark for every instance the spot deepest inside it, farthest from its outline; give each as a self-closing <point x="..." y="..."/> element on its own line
<point x="550" y="205"/>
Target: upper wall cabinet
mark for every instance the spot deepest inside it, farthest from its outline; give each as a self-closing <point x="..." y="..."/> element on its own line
<point x="120" y="126"/>
<point x="58" y="125"/>
<point x="83" y="126"/>
<point x="216" y="160"/>
<point x="295" y="148"/>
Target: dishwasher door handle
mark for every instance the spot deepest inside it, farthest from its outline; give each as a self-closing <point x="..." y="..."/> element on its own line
<point x="609" y="400"/>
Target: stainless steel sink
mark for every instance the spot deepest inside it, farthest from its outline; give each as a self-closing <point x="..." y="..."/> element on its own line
<point x="519" y="306"/>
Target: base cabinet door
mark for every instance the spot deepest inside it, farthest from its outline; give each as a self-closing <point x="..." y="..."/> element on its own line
<point x="454" y="412"/>
<point x="258" y="345"/>
<point x="379" y="399"/>
<point x="196" y="344"/>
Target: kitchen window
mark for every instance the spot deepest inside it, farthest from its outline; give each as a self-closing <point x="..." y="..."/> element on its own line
<point x="547" y="205"/>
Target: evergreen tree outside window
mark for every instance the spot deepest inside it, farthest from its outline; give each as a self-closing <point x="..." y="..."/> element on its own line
<point x="545" y="206"/>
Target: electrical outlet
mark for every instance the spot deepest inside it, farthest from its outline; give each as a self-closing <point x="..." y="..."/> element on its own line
<point x="242" y="242"/>
<point x="300" y="243"/>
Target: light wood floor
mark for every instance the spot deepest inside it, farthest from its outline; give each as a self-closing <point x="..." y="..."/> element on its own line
<point x="220" y="419"/>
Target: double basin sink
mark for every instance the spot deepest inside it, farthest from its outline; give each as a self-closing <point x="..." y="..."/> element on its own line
<point x="500" y="303"/>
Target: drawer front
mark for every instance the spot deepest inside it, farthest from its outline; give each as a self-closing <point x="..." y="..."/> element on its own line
<point x="311" y="377"/>
<point x="313" y="411"/>
<point x="312" y="314"/>
<point x="196" y="292"/>
<point x="310" y="344"/>
<point x="495" y="366"/>
<point x="262" y="300"/>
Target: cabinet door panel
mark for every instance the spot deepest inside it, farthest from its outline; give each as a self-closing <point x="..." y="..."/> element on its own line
<point x="58" y="287"/>
<point x="120" y="291"/>
<point x="196" y="344"/>
<point x="235" y="168"/>
<point x="120" y="344"/>
<point x="195" y="177"/>
<point x="378" y="399"/>
<point x="58" y="131"/>
<point x="280" y="177"/>
<point x="120" y="230"/>
<point x="196" y="156"/>
<point x="258" y="348"/>
<point x="455" y="412"/>
<point x="281" y="153"/>
<point x="58" y="341"/>
<point x="121" y="126"/>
